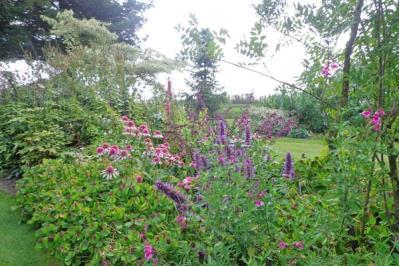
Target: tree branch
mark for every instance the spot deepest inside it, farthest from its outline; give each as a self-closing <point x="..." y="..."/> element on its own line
<point x="281" y="82"/>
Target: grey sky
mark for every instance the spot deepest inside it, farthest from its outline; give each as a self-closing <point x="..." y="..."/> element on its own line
<point x="237" y="16"/>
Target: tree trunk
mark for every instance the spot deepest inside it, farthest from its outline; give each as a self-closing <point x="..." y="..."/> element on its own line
<point x="348" y="52"/>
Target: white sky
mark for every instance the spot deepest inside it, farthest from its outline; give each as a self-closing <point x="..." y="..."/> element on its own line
<point x="237" y="16"/>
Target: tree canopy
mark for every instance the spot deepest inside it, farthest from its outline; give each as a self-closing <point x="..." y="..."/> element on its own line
<point x="23" y="30"/>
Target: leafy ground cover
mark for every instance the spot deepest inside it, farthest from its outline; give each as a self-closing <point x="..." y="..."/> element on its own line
<point x="17" y="241"/>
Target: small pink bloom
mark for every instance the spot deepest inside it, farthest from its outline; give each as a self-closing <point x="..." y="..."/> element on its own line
<point x="105" y="146"/>
<point x="261" y="194"/>
<point x="148" y="251"/>
<point x="125" y="118"/>
<point x="381" y="112"/>
<point x="366" y="113"/>
<point x="298" y="245"/>
<point x="139" y="179"/>
<point x="259" y="203"/>
<point x="142" y="236"/>
<point x="156" y="160"/>
<point x="282" y="245"/>
<point x="181" y="220"/>
<point x="110" y="172"/>
<point x="129" y="147"/>
<point x="100" y="150"/>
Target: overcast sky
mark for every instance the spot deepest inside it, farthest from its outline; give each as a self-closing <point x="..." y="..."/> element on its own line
<point x="237" y="16"/>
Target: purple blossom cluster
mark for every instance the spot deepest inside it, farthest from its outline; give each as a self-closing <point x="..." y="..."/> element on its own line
<point x="276" y="125"/>
<point x="329" y="69"/>
<point x="200" y="162"/>
<point x="173" y="194"/>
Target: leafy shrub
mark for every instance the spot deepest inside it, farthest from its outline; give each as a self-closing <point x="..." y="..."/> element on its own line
<point x="87" y="220"/>
<point x="31" y="134"/>
<point x="299" y="133"/>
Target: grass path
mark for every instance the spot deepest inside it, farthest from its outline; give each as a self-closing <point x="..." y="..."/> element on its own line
<point x="17" y="241"/>
<point x="311" y="147"/>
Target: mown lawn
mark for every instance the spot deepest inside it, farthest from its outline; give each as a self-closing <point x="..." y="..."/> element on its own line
<point x="17" y="241"/>
<point x="311" y="147"/>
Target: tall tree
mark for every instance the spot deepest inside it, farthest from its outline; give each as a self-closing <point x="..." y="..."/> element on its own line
<point x="21" y="26"/>
<point x="202" y="52"/>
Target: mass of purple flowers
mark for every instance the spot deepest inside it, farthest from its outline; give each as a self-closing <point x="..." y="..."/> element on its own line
<point x="173" y="194"/>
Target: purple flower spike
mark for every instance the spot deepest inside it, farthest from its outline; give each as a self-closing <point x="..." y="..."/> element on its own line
<point x="288" y="170"/>
<point x="248" y="169"/>
<point x="173" y="194"/>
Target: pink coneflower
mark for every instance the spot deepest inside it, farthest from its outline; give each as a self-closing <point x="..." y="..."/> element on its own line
<point x="110" y="172"/>
<point x="105" y="146"/>
<point x="145" y="132"/>
<point x="282" y="245"/>
<point x="125" y="118"/>
<point x="148" y="251"/>
<point x="100" y="151"/>
<point x="124" y="154"/>
<point x="259" y="203"/>
<point x="156" y="160"/>
<point x="158" y="134"/>
<point x="129" y="147"/>
<point x="139" y="179"/>
<point x="298" y="245"/>
<point x="113" y="152"/>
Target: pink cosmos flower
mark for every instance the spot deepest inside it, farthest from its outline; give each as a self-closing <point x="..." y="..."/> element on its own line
<point x="110" y="172"/>
<point x="282" y="245"/>
<point x="259" y="203"/>
<point x="298" y="245"/>
<point x="148" y="251"/>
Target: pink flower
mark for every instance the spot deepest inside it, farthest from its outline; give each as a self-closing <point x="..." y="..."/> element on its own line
<point x="366" y="113"/>
<point x="158" y="134"/>
<point x="156" y="160"/>
<point x="381" y="112"/>
<point x="298" y="245"/>
<point x="129" y="147"/>
<point x="259" y="203"/>
<point x="100" y="151"/>
<point x="139" y="179"/>
<point x="181" y="220"/>
<point x="105" y="146"/>
<point x="282" y="245"/>
<point x="125" y="118"/>
<point x="148" y="251"/>
<point x="110" y="172"/>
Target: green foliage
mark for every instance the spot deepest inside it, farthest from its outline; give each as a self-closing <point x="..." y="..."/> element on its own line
<point x="23" y="30"/>
<point x="75" y="32"/>
<point x="30" y="134"/>
<point x="84" y="219"/>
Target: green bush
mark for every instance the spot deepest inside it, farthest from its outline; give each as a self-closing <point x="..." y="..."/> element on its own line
<point x="31" y="134"/>
<point x="299" y="133"/>
<point x="85" y="219"/>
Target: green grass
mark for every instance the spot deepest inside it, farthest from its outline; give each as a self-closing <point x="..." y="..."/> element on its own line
<point x="17" y="241"/>
<point x="311" y="147"/>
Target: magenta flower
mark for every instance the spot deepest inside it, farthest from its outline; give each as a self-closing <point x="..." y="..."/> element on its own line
<point x="259" y="203"/>
<point x="110" y="172"/>
<point x="381" y="112"/>
<point x="181" y="220"/>
<point x="298" y="245"/>
<point x="282" y="245"/>
<point x="139" y="179"/>
<point x="148" y="251"/>
<point x="366" y="113"/>
<point x="100" y="151"/>
<point x="158" y="134"/>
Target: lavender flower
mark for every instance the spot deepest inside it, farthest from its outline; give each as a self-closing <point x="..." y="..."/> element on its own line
<point x="222" y="132"/>
<point x="173" y="194"/>
<point x="248" y="136"/>
<point x="288" y="170"/>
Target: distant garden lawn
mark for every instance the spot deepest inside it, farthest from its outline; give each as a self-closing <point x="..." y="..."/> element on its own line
<point x="311" y="147"/>
<point x="17" y="241"/>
